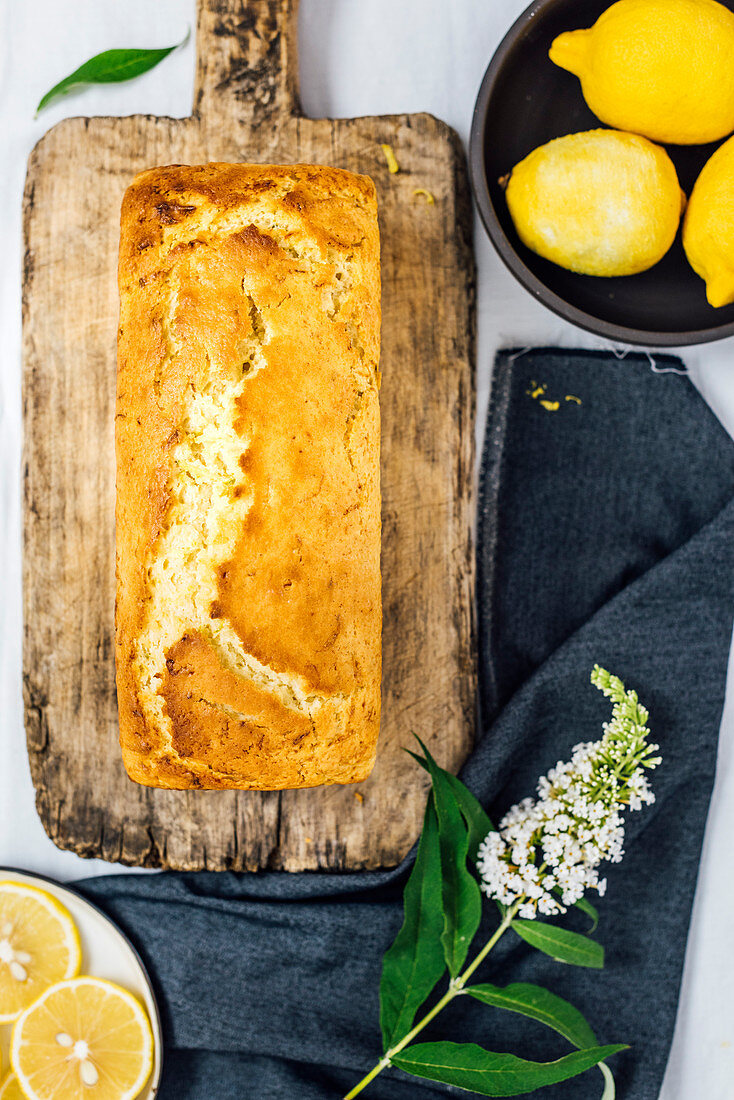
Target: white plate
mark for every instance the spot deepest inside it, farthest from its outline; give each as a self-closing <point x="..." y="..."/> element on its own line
<point x="106" y="953"/>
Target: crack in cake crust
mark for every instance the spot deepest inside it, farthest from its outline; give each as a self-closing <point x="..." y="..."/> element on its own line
<point x="202" y="524"/>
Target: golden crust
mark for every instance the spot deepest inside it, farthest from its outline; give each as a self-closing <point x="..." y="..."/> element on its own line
<point x="248" y="609"/>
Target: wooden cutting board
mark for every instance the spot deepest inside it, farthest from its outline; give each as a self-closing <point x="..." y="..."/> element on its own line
<point x="245" y="109"/>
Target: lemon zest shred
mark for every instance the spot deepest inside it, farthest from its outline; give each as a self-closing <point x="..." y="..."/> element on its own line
<point x="392" y="163"/>
<point x="551" y="406"/>
<point x="428" y="196"/>
<point x="571" y="397"/>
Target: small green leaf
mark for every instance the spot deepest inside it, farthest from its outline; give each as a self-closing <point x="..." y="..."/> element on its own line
<point x="109" y="67"/>
<point x="538" y="1004"/>
<point x="609" y="1090"/>
<point x="462" y="899"/>
<point x="415" y="962"/>
<point x="471" y="1067"/>
<point x="586" y="907"/>
<point x="560" y="944"/>
<point x="477" y="820"/>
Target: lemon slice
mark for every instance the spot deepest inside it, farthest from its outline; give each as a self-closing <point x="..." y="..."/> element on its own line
<point x="10" y="1089"/>
<point x="39" y="944"/>
<point x="84" y="1039"/>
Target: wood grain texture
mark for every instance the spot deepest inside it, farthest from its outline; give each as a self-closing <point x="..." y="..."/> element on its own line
<point x="245" y="110"/>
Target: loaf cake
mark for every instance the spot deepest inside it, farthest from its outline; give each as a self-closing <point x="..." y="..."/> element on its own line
<point x="248" y="613"/>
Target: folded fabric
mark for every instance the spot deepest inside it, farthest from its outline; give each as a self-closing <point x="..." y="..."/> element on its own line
<point x="606" y="534"/>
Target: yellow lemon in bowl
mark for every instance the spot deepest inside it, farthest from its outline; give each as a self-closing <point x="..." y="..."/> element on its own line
<point x="708" y="227"/>
<point x="662" y="68"/>
<point x="599" y="202"/>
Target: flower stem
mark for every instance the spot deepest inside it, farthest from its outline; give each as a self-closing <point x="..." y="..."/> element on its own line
<point x="456" y="987"/>
<point x="506" y="922"/>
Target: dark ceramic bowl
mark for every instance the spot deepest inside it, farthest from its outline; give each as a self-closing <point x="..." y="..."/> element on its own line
<point x="524" y="101"/>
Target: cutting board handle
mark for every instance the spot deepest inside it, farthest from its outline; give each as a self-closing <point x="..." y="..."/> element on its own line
<point x="247" y="60"/>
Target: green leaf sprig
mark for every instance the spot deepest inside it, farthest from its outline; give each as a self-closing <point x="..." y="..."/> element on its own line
<point x="441" y="904"/>
<point x="109" y="67"/>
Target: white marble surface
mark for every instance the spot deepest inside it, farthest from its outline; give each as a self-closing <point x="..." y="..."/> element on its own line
<point x="357" y="57"/>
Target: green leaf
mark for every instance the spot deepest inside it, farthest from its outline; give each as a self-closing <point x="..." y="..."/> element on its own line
<point x="477" y="820"/>
<point x="415" y="962"/>
<point x="462" y="899"/>
<point x="109" y="67"/>
<point x="586" y="907"/>
<point x="609" y="1090"/>
<point x="560" y="944"/>
<point x="471" y="1067"/>
<point x="538" y="1004"/>
<point x="549" y="1009"/>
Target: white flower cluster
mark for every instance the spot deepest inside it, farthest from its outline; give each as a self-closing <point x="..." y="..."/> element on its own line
<point x="547" y="850"/>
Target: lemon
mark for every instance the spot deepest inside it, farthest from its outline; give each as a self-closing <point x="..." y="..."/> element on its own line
<point x="39" y="944"/>
<point x="708" y="227"/>
<point x="662" y="68"/>
<point x="598" y="203"/>
<point x="84" y="1038"/>
<point x="10" y="1089"/>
